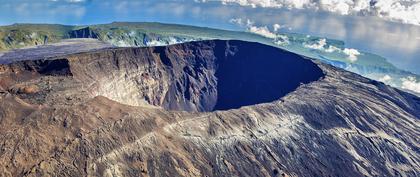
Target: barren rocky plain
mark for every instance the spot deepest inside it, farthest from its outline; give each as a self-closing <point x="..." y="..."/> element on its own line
<point x="206" y="108"/>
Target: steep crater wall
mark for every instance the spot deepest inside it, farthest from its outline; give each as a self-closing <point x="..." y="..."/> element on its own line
<point x="195" y="76"/>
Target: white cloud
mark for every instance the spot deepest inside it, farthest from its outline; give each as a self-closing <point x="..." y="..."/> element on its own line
<point x="260" y="30"/>
<point x="276" y="27"/>
<point x="352" y="54"/>
<point x="405" y="11"/>
<point x="170" y="41"/>
<point x="385" y="78"/>
<point x="278" y="39"/>
<point x="336" y="6"/>
<point x="318" y="45"/>
<point x="410" y="83"/>
<point x="321" y="45"/>
<point x="332" y="49"/>
<point x="249" y="22"/>
<point x="263" y="31"/>
<point x="242" y="22"/>
<point x="237" y="21"/>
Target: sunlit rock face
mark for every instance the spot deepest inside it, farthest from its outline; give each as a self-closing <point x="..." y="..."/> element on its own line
<point x="209" y="108"/>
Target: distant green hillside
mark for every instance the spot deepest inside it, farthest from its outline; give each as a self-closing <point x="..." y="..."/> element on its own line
<point x="24" y="35"/>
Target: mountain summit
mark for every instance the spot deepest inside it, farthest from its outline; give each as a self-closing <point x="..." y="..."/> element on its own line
<point x="206" y="108"/>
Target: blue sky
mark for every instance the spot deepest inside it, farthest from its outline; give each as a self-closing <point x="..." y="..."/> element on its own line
<point x="394" y="35"/>
<point x="77" y="12"/>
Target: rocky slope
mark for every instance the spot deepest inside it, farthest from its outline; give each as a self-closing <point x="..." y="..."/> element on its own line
<point x="209" y="108"/>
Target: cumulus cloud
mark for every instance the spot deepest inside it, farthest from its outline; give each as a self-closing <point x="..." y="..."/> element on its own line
<point x="406" y="11"/>
<point x="237" y="21"/>
<point x="321" y="44"/>
<point x="260" y="30"/>
<point x="318" y="45"/>
<point x="386" y="78"/>
<point x="410" y="83"/>
<point x="277" y="27"/>
<point x="242" y="22"/>
<point x="263" y="31"/>
<point x="332" y="49"/>
<point x="352" y="54"/>
<point x="278" y="39"/>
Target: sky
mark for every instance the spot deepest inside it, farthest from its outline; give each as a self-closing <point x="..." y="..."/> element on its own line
<point x="390" y="28"/>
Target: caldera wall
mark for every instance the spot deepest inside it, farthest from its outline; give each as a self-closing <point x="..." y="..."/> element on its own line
<point x="196" y="76"/>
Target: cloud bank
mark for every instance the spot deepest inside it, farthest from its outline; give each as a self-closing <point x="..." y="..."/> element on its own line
<point x="385" y="79"/>
<point x="352" y="54"/>
<point x="410" y="83"/>
<point x="405" y="11"/>
<point x="260" y="30"/>
<point x="321" y="44"/>
<point x="281" y="40"/>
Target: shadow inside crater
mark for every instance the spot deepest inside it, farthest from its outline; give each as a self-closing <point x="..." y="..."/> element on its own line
<point x="255" y="73"/>
<point x="223" y="75"/>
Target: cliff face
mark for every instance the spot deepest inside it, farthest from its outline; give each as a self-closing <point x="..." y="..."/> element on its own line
<point x="210" y="108"/>
<point x="156" y="34"/>
<point x="83" y="33"/>
<point x="200" y="76"/>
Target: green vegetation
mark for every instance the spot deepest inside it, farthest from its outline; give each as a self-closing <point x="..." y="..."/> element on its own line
<point x="26" y="35"/>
